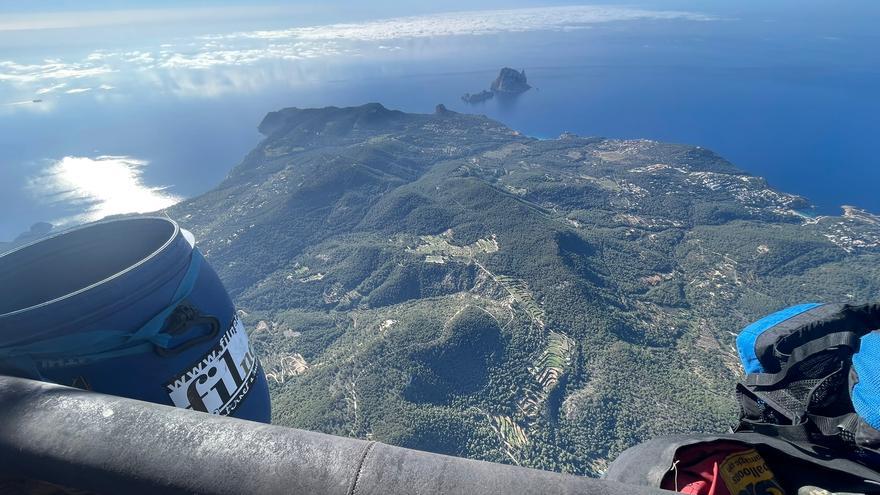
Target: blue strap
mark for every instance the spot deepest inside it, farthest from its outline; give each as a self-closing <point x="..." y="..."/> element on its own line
<point x="106" y="344"/>
<point x="745" y="341"/>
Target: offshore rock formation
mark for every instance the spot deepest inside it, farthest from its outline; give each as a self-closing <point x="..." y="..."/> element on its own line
<point x="37" y="231"/>
<point x="509" y="82"/>
<point x="478" y="97"/>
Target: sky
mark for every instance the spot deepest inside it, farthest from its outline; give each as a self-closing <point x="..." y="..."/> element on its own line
<point x="144" y="13"/>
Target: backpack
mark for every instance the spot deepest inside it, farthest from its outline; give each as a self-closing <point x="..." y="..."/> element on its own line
<point x="813" y="379"/>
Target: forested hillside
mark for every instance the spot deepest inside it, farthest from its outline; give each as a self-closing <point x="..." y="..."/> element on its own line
<point x="444" y="283"/>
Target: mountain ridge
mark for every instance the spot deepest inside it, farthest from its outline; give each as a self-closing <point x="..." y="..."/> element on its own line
<point x="441" y="281"/>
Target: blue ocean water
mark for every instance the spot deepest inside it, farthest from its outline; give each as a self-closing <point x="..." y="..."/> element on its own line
<point x="795" y="104"/>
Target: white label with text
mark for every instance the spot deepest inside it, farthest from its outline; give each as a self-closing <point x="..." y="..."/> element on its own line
<point x="220" y="381"/>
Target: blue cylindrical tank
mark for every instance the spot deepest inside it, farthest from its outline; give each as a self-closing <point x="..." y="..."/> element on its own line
<point x="128" y="307"/>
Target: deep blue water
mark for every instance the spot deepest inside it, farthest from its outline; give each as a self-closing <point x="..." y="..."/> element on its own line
<point x="793" y="103"/>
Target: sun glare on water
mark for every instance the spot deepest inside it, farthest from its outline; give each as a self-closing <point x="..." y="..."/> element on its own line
<point x="101" y="186"/>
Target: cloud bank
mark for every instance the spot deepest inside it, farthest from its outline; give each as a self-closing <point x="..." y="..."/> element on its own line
<point x="473" y="23"/>
<point x="165" y="62"/>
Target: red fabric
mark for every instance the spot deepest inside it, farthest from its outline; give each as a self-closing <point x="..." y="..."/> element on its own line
<point x="696" y="469"/>
<point x="708" y="484"/>
<point x="719" y="468"/>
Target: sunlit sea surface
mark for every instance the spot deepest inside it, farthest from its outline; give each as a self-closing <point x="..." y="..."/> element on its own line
<point x="145" y="129"/>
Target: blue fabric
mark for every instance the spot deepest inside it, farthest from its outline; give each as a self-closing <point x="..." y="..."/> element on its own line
<point x="106" y="344"/>
<point x="866" y="393"/>
<point x="745" y="342"/>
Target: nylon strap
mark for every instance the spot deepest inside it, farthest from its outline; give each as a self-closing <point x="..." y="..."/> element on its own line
<point x="832" y="340"/>
<point x="99" y="345"/>
<point x="831" y="426"/>
<point x="805" y="432"/>
<point x="748" y="400"/>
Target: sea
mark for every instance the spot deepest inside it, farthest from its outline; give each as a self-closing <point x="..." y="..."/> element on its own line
<point x="114" y="123"/>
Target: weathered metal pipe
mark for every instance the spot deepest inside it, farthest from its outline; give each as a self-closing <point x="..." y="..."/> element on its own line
<point x="108" y="444"/>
